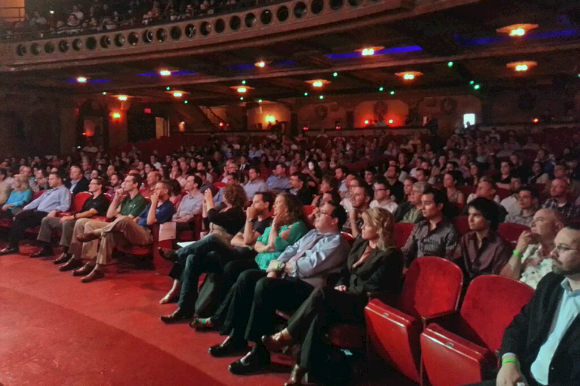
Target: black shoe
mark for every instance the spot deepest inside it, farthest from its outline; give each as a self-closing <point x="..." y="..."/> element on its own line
<point x="168" y="254"/>
<point x="70" y="265"/>
<point x="176" y="317"/>
<point x="252" y="363"/>
<point x="229" y="348"/>
<point x="44" y="252"/>
<point x="8" y="250"/>
<point x="62" y="259"/>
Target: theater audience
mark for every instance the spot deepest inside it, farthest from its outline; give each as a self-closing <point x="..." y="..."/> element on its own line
<point x="482" y="251"/>
<point x="150" y="184"/>
<point x="530" y="260"/>
<point x="527" y="205"/>
<point x="541" y="344"/>
<point x="510" y="203"/>
<point x="374" y="264"/>
<point x="53" y="201"/>
<point x="328" y="184"/>
<point x="278" y="181"/>
<point x="4" y="187"/>
<point x="96" y="205"/>
<point x="240" y="247"/>
<point x="229" y="217"/>
<point x="450" y="181"/>
<point x="255" y="183"/>
<point x="435" y="235"/>
<point x="232" y="178"/>
<point x="20" y="195"/>
<point x="77" y="182"/>
<point x="538" y="175"/>
<point x="299" y="184"/>
<point x="288" y="281"/>
<point x="128" y="203"/>
<point x="410" y="211"/>
<point x="360" y="201"/>
<point x="393" y="183"/>
<point x="190" y="205"/>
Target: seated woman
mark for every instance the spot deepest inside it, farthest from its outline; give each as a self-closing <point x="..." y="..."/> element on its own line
<point x="288" y="227"/>
<point x="21" y="195"/>
<point x="224" y="224"/>
<point x="374" y="264"/>
<point x="450" y="182"/>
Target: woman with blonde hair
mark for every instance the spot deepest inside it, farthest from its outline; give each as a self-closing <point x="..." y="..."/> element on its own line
<point x="21" y="195"/>
<point x="374" y="265"/>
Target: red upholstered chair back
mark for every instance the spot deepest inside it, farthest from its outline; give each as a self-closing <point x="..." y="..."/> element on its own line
<point x="511" y="232"/>
<point x="467" y="189"/>
<point x="35" y="195"/>
<point x="432" y="285"/>
<point x="219" y="185"/>
<point x="402" y="232"/>
<point x="490" y="304"/>
<point x="348" y="237"/>
<point x="78" y="201"/>
<point x="503" y="193"/>
<point x="308" y="209"/>
<point x="460" y="223"/>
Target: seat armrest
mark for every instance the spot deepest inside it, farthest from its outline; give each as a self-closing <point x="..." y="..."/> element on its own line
<point x="63" y="214"/>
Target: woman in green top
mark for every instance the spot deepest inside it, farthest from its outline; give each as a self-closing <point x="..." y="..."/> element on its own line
<point x="288" y="226"/>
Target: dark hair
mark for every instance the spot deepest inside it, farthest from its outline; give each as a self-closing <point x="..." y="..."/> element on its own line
<point x="167" y="184"/>
<point x="382" y="181"/>
<point x="490" y="181"/>
<point x="489" y="209"/>
<point x="174" y="187"/>
<point x="99" y="180"/>
<point x="57" y="174"/>
<point x="343" y="168"/>
<point x="235" y="175"/>
<point x="301" y="176"/>
<point x="256" y="169"/>
<point x="137" y="180"/>
<point x="267" y="197"/>
<point x="397" y="169"/>
<point x="3" y="172"/>
<point x="333" y="182"/>
<point x="235" y="195"/>
<point x="197" y="180"/>
<point x="440" y="197"/>
<point x="338" y="213"/>
<point x="528" y="188"/>
<point x="456" y="175"/>
<point x="425" y="171"/>
<point x="295" y="207"/>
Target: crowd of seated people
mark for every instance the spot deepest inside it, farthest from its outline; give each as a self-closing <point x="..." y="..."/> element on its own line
<point x="105" y="15"/>
<point x="299" y="226"/>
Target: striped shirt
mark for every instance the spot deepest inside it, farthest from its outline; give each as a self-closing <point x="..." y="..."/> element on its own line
<point x="440" y="241"/>
<point x="569" y="210"/>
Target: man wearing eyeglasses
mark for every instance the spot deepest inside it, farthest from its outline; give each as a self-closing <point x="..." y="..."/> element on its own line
<point x="541" y="346"/>
<point x="96" y="205"/>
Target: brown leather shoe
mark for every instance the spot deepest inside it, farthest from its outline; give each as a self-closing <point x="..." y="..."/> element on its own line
<point x="168" y="254"/>
<point x="95" y="275"/>
<point x="85" y="237"/>
<point x="61" y="259"/>
<point x="276" y="342"/>
<point x="85" y="270"/>
<point x="296" y="376"/>
<point x="71" y="264"/>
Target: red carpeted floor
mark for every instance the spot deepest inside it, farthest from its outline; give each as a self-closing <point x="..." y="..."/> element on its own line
<point x="55" y="330"/>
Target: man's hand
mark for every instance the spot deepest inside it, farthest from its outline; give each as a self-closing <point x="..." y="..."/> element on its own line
<point x="273" y="266"/>
<point x="119" y="193"/>
<point x="251" y="213"/>
<point x="273" y="274"/>
<point x="52" y="213"/>
<point x="6" y="207"/>
<point x="154" y="199"/>
<point x="66" y="218"/>
<point x="509" y="375"/>
<point x="341" y="288"/>
<point x="526" y="238"/>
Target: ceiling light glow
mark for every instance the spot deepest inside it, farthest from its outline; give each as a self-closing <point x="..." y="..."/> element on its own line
<point x="165" y="73"/>
<point x="82" y="79"/>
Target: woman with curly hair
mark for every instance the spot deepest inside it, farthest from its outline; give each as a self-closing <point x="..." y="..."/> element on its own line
<point x="374" y="264"/>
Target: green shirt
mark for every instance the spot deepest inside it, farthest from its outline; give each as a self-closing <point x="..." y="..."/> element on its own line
<point x="133" y="206"/>
<point x="297" y="230"/>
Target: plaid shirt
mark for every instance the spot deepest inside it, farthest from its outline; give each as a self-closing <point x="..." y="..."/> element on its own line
<point x="569" y="210"/>
<point x="440" y="241"/>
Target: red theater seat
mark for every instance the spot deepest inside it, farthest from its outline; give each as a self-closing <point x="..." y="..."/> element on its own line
<point x="462" y="349"/>
<point x="308" y="209"/>
<point x="461" y="225"/>
<point x="402" y="232"/>
<point x="511" y="232"/>
<point x="77" y="203"/>
<point x="432" y="288"/>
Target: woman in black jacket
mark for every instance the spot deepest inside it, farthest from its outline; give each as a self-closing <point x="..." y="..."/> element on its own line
<point x="374" y="264"/>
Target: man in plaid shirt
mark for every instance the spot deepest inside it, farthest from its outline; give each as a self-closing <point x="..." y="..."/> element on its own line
<point x="560" y="201"/>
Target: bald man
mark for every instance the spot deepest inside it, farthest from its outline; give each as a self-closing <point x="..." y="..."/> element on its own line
<point x="531" y="261"/>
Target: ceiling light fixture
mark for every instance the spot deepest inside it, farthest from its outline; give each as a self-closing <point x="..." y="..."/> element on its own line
<point x="165" y="73"/>
<point x="122" y="98"/>
<point x="318" y="83"/>
<point x="522" y="66"/>
<point x="261" y="64"/>
<point x="241" y="89"/>
<point x="409" y="75"/>
<point x="369" y="51"/>
<point x="177" y="94"/>
<point x="82" y="79"/>
<point x="517" y="30"/>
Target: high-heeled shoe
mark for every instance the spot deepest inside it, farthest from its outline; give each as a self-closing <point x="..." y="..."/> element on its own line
<point x="296" y="376"/>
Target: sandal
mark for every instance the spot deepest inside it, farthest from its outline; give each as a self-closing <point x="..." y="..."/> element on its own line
<point x="201" y="324"/>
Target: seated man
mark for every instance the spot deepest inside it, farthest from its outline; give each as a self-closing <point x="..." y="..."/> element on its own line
<point x="482" y="251"/>
<point x="287" y="283"/>
<point x="382" y="195"/>
<point x="255" y="182"/>
<point x="190" y="204"/>
<point x="125" y="231"/>
<point x="278" y="181"/>
<point x="77" y="182"/>
<point x="360" y="199"/>
<point x="510" y="203"/>
<point x="299" y="183"/>
<point x="560" y="200"/>
<point x="128" y="202"/>
<point x="531" y="261"/>
<point x="527" y="205"/>
<point x="258" y="218"/>
<point x="435" y="235"/>
<point x="152" y="179"/>
<point x="486" y="188"/>
<point x="541" y="344"/>
<point x="96" y="205"/>
<point x="410" y="211"/>
<point x="55" y="200"/>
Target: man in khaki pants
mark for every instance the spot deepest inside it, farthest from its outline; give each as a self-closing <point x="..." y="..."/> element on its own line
<point x="126" y="231"/>
<point x="128" y="202"/>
